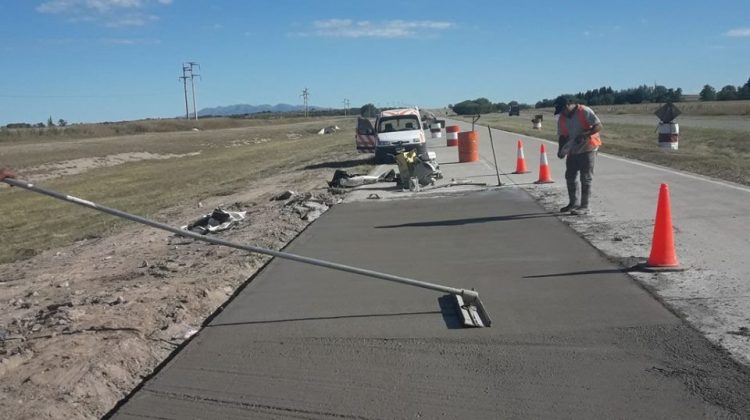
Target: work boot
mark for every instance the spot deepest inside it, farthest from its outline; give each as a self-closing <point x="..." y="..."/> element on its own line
<point x="584" y="207"/>
<point x="567" y="208"/>
<point x="572" y="197"/>
<point x="581" y="211"/>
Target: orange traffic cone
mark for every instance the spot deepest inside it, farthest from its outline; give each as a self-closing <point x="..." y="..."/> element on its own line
<point x="520" y="161"/>
<point x="544" y="174"/>
<point x="662" y="245"/>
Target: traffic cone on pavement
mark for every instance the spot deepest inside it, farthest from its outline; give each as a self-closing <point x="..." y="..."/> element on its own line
<point x="662" y="245"/>
<point x="520" y="160"/>
<point x="544" y="173"/>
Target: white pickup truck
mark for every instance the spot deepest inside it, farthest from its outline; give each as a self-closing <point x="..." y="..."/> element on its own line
<point x="395" y="129"/>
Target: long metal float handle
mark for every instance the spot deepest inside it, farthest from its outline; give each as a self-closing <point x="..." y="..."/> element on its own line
<point x="469" y="295"/>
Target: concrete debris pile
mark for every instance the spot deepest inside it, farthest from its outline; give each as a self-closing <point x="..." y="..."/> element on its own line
<point x="216" y="221"/>
<point x="343" y="179"/>
<point x="329" y="130"/>
<point x="308" y="206"/>
<point x="415" y="171"/>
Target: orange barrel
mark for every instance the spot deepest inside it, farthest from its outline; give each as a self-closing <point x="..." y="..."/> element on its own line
<point x="436" y="130"/>
<point x="451" y="135"/>
<point x="468" y="146"/>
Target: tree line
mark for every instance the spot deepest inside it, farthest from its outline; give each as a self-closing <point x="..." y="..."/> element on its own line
<point x="605" y="95"/>
<point x="484" y="106"/>
<point x="727" y="93"/>
<point x="60" y="123"/>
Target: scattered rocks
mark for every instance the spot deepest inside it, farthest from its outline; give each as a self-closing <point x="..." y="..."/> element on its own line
<point x="742" y="331"/>
<point x="118" y="301"/>
<point x="284" y="195"/>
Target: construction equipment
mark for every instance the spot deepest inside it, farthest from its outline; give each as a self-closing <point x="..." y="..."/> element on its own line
<point x="467" y="303"/>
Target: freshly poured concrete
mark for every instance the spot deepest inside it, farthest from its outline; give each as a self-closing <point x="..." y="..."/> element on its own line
<point x="572" y="336"/>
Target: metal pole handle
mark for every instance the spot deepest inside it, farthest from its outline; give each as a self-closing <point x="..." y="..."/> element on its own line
<point x="469" y="295"/>
<point x="494" y="156"/>
<point x="474" y="119"/>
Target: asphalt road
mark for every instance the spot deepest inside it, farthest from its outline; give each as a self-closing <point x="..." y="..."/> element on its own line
<point x="573" y="336"/>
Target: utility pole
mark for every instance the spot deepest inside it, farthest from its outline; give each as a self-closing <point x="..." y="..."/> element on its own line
<point x="184" y="78"/>
<point x="346" y="107"/>
<point x="305" y="95"/>
<point x="191" y="65"/>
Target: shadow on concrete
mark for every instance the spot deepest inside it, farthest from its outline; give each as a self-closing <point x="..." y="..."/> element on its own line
<point x="585" y="272"/>
<point x="528" y="183"/>
<point x="321" y="318"/>
<point x="460" y="222"/>
<point x="480" y="176"/>
<point x="340" y="164"/>
<point x="449" y="310"/>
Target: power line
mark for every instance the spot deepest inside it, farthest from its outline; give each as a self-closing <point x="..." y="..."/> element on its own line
<point x="192" y="65"/>
<point x="184" y="78"/>
<point x="346" y="107"/>
<point x="188" y="72"/>
<point x="305" y="95"/>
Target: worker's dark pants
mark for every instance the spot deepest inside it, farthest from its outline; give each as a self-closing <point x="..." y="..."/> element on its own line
<point x="583" y="163"/>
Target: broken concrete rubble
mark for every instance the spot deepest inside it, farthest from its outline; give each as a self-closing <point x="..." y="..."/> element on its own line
<point x="216" y="221"/>
<point x="329" y="130"/>
<point x="310" y="206"/>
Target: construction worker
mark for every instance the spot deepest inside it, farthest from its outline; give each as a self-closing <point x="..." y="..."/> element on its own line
<point x="6" y="173"/>
<point x="578" y="130"/>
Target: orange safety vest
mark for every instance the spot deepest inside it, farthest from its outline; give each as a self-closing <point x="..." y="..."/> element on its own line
<point x="594" y="140"/>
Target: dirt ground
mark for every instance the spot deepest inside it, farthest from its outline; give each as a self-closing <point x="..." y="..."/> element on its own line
<point x="82" y="325"/>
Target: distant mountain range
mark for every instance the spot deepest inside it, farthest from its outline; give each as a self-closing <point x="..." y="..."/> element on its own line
<point x="242" y="109"/>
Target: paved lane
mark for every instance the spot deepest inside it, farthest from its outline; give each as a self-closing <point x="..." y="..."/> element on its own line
<point x="710" y="217"/>
<point x="572" y="336"/>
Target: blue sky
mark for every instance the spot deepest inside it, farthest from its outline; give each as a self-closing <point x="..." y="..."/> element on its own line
<point x="110" y="60"/>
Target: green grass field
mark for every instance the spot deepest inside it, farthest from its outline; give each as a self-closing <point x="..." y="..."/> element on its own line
<point x="229" y="160"/>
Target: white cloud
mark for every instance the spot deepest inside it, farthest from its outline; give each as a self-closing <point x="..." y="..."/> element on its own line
<point x="129" y="41"/>
<point x="135" y="19"/>
<point x="740" y="32"/>
<point x="347" y="28"/>
<point x="112" y="13"/>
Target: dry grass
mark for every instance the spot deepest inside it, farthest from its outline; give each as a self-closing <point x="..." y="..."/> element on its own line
<point x="229" y="160"/>
<point x="715" y="108"/>
<point x="723" y="154"/>
<point x="123" y="128"/>
<point x="692" y="108"/>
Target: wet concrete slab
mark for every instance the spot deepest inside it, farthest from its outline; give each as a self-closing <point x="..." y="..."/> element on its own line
<point x="572" y="335"/>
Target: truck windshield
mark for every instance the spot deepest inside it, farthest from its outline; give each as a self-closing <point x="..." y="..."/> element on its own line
<point x="398" y="123"/>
